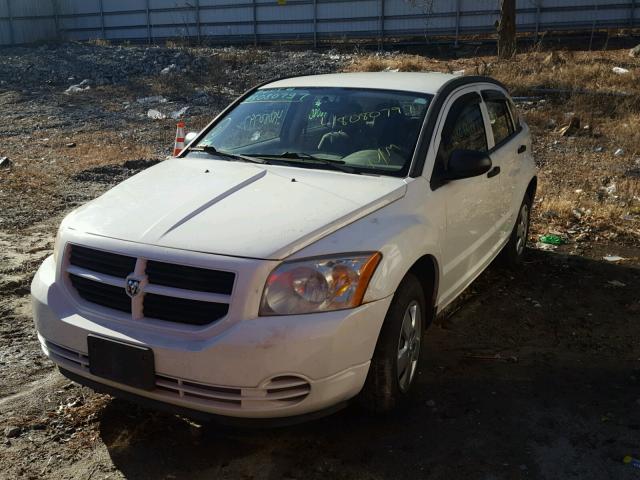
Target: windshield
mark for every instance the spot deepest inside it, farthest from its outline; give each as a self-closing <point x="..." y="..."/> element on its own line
<point x="359" y="130"/>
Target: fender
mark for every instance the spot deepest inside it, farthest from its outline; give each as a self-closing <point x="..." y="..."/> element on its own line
<point x="402" y="231"/>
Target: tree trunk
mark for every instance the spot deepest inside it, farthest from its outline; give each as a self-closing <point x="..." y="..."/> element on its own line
<point x="507" y="29"/>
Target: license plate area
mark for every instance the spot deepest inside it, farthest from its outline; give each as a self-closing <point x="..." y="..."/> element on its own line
<point x="121" y="362"/>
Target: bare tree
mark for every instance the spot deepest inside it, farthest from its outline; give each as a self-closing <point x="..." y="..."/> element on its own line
<point x="507" y="29"/>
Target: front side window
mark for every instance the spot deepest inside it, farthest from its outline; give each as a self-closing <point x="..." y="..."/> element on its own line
<point x="366" y="130"/>
<point x="463" y="130"/>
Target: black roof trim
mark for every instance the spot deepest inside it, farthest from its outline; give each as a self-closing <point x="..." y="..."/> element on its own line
<point x="488" y="95"/>
<point x="434" y="110"/>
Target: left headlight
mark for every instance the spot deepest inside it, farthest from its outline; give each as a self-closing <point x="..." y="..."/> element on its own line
<point x="318" y="285"/>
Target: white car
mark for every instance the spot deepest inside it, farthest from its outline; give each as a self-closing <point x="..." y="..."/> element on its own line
<point x="293" y="256"/>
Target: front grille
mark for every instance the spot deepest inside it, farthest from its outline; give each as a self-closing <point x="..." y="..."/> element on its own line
<point x="101" y="293"/>
<point x="172" y="304"/>
<point x="191" y="278"/>
<point x="102" y="262"/>
<point x="194" y="312"/>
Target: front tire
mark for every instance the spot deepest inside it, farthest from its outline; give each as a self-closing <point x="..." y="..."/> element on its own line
<point x="395" y="360"/>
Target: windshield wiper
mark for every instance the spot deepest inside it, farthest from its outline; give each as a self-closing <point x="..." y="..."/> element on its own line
<point x="301" y="157"/>
<point x="296" y="155"/>
<point x="234" y="156"/>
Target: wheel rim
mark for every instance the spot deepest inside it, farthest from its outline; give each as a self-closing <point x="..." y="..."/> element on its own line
<point x="409" y="345"/>
<point x="522" y="229"/>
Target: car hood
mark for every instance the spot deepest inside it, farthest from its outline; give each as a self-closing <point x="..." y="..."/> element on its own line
<point x="233" y="208"/>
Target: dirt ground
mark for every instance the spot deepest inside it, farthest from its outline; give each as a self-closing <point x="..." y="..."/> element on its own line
<point x="531" y="375"/>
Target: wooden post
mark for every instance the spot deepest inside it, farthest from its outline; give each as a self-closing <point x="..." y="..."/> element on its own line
<point x="507" y="29"/>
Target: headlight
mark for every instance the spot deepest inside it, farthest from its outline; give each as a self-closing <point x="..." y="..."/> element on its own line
<point x="318" y="285"/>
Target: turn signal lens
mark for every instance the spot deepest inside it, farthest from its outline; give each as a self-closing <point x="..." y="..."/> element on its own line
<point x="318" y="285"/>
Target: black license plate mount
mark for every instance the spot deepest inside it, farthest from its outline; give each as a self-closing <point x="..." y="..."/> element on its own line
<point x="121" y="362"/>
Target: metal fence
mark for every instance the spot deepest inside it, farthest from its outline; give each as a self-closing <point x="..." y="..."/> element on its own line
<point x="312" y="21"/>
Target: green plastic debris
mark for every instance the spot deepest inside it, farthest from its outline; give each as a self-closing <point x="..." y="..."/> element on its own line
<point x="629" y="460"/>
<point x="551" y="239"/>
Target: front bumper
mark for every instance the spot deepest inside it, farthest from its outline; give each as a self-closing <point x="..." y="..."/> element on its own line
<point x="258" y="367"/>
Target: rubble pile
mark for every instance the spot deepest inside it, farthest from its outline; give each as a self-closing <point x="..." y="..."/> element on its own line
<point x="68" y="65"/>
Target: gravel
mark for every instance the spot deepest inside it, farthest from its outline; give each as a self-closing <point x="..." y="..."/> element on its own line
<point x="77" y="66"/>
<point x="113" y="174"/>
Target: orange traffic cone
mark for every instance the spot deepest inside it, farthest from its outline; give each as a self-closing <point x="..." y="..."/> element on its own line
<point x="179" y="146"/>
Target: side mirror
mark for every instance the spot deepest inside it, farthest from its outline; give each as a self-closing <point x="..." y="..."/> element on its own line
<point x="190" y="136"/>
<point x="467" y="164"/>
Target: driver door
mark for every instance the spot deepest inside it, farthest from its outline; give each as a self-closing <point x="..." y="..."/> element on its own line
<point x="473" y="205"/>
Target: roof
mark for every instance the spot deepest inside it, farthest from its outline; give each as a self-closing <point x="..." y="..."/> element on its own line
<point x="429" y="82"/>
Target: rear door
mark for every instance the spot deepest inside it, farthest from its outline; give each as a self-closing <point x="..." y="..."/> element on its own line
<point x="507" y="143"/>
<point x="473" y="205"/>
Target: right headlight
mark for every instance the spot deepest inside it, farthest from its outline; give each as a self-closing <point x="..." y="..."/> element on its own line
<point x="318" y="284"/>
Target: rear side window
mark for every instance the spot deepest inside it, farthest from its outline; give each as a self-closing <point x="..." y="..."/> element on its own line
<point x="463" y="129"/>
<point x="500" y="119"/>
<point x="514" y="114"/>
<point x="502" y="115"/>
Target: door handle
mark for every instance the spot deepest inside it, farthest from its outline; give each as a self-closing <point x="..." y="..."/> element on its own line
<point x="522" y="148"/>
<point x="493" y="172"/>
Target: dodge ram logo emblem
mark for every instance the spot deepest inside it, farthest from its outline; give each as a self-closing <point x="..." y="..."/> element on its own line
<point x="133" y="287"/>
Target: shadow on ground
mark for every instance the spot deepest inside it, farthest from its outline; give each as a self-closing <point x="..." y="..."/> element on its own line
<point x="559" y="401"/>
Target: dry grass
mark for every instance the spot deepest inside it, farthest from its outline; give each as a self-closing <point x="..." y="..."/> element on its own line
<point x="598" y="209"/>
<point x="42" y="179"/>
<point x="100" y="42"/>
<point x="563" y="70"/>
<point x="178" y="42"/>
<point x="400" y="62"/>
<point x="99" y="149"/>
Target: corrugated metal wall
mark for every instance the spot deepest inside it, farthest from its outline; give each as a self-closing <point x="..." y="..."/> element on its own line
<point x="252" y="21"/>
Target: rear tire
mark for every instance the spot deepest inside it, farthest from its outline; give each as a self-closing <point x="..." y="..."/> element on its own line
<point x="513" y="252"/>
<point x="395" y="360"/>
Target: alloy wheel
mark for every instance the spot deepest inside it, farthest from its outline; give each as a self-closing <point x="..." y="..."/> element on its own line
<point x="522" y="229"/>
<point x="409" y="345"/>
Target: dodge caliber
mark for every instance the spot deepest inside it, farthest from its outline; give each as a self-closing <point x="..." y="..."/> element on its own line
<point x="292" y="256"/>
